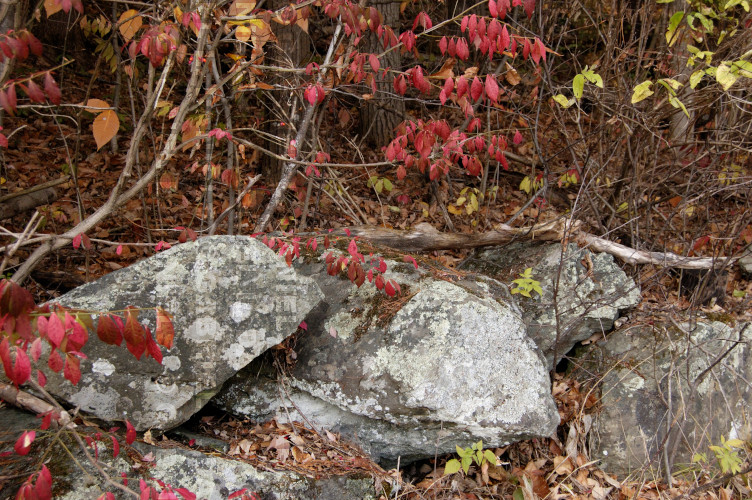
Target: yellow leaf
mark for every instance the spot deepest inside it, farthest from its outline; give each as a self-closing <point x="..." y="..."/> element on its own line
<point x="105" y="126"/>
<point x="52" y="7"/>
<point x="451" y="209"/>
<point x="243" y="33"/>
<point x="131" y="23"/>
<point x="96" y="106"/>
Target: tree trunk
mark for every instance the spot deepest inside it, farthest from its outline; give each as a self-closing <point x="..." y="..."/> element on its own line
<point x="291" y="51"/>
<point x="385" y="111"/>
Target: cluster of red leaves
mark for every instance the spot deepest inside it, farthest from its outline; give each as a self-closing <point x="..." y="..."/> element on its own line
<point x="456" y="147"/>
<point x="157" y="42"/>
<point x="25" y="325"/>
<point x="18" y="45"/>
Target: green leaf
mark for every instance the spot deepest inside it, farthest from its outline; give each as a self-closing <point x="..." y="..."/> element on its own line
<point x="518" y="494"/>
<point x="739" y="294"/>
<point x="642" y="91"/>
<point x="678" y="104"/>
<point x="451" y="467"/>
<point x="695" y="78"/>
<point x="673" y="24"/>
<point x="379" y="187"/>
<point x="466" y="462"/>
<point x="387" y="185"/>
<point x="674" y="84"/>
<point x="489" y="455"/>
<point x="743" y="68"/>
<point x="563" y="101"/>
<point x="578" y="85"/>
<point x="725" y="77"/>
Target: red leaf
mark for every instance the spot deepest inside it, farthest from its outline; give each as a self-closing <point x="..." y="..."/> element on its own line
<point x="185" y="493"/>
<point x="43" y="486"/>
<point x="492" y="8"/>
<point x="35" y="93"/>
<point x="476" y="89"/>
<point x="389" y="288"/>
<point x="55" y="361"/>
<point x="23" y="444"/>
<point x="165" y="331"/>
<point x="153" y="348"/>
<point x="408" y="258"/>
<point x="503" y="7"/>
<point x="134" y="334"/>
<point x="51" y="88"/>
<point x="11" y="92"/>
<point x="400" y="85"/>
<point x="119" y="250"/>
<point x="110" y="329"/>
<point x="14" y="299"/>
<point x="115" y="447"/>
<point x="492" y="88"/>
<point x="303" y="326"/>
<point x="462" y="87"/>
<point x="373" y="60"/>
<point x="526" y="47"/>
<point x="72" y="369"/>
<point x="443" y="45"/>
<point x="529" y="6"/>
<point x="55" y="330"/>
<point x="5" y="103"/>
<point x="41" y="379"/>
<point x="379" y="282"/>
<point x="130" y="434"/>
<point x="401" y="172"/>
<point x="77" y="241"/>
<point x="517" y="137"/>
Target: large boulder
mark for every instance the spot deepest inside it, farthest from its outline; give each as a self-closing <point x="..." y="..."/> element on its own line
<point x="691" y="379"/>
<point x="231" y="297"/>
<point x="583" y="292"/>
<point x="443" y="364"/>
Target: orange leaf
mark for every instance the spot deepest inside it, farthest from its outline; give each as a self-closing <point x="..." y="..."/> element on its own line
<point x="165" y="331"/>
<point x="96" y="106"/>
<point x="131" y="23"/>
<point x="105" y="126"/>
<point x="52" y="7"/>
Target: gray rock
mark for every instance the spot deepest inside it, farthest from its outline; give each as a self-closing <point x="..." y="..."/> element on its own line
<point x="587" y="301"/>
<point x="745" y="262"/>
<point x="443" y="365"/>
<point x="231" y="297"/>
<point x="652" y="368"/>
<point x="214" y="478"/>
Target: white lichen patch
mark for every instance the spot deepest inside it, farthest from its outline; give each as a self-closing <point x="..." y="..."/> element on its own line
<point x="203" y="329"/>
<point x="240" y="311"/>
<point x="103" y="367"/>
<point x="171" y="363"/>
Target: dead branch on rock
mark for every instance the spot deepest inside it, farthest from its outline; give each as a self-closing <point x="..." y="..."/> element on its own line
<point x="426" y="238"/>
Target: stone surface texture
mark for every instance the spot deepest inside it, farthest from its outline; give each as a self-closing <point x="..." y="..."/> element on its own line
<point x="231" y="299"/>
<point x="654" y="383"/>
<point x="444" y="364"/>
<point x="585" y="290"/>
<point x="215" y="478"/>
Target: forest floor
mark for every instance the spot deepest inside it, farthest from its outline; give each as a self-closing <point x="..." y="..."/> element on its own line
<point x="40" y="151"/>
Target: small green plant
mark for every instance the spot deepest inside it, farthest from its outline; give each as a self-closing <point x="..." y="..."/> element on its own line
<point x="525" y="284"/>
<point x="475" y="453"/>
<point x="578" y="86"/>
<point x="727" y="456"/>
<point x="380" y="184"/>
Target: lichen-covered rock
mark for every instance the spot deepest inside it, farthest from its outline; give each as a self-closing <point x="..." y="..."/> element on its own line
<point x="214" y="478"/>
<point x="445" y="364"/>
<point x="651" y="385"/>
<point x="231" y="297"/>
<point x="585" y="290"/>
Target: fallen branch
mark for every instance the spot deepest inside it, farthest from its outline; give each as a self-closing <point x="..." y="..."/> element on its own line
<point x="25" y="202"/>
<point x="425" y="238"/>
